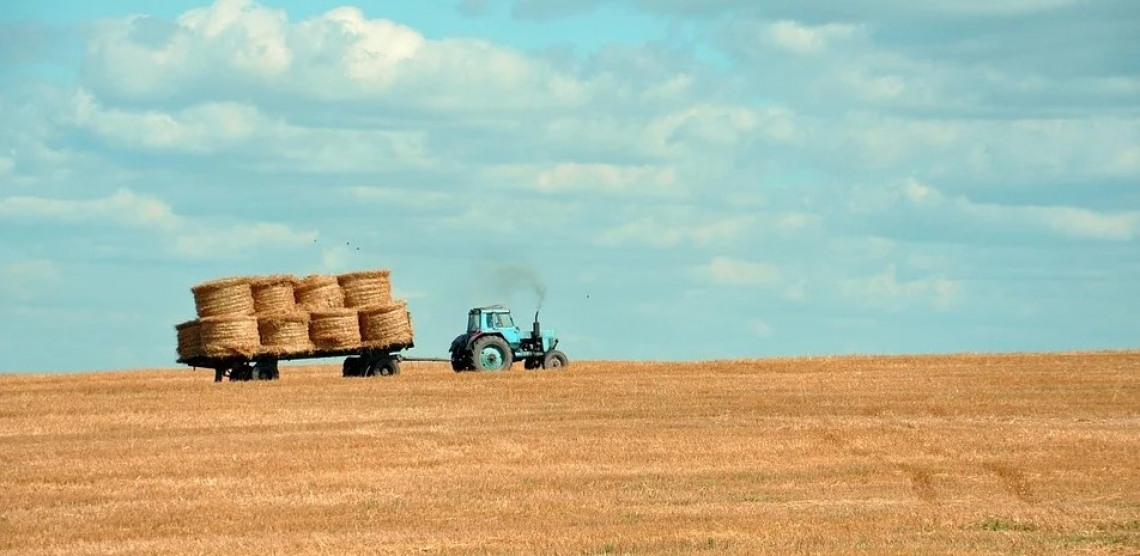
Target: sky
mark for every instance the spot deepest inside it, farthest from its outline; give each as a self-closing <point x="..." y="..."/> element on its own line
<point x="683" y="179"/>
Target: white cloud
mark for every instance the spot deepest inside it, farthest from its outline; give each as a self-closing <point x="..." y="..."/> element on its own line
<point x="760" y="329"/>
<point x="726" y="271"/>
<point x="126" y="208"/>
<point x="208" y="242"/>
<point x="123" y="207"/>
<point x="669" y="228"/>
<point x="1066" y="221"/>
<point x="230" y="127"/>
<point x="607" y="178"/>
<point x="207" y="127"/>
<point x="807" y="39"/>
<point x="23" y="279"/>
<point x="337" y="55"/>
<point x="402" y="293"/>
<point x="886" y="291"/>
<point x="402" y="197"/>
<point x="335" y="259"/>
<point x="1126" y="161"/>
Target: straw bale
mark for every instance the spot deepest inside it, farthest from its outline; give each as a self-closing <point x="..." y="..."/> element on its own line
<point x="285" y="333"/>
<point x="224" y="297"/>
<point x="334" y="328"/>
<point x="386" y="325"/>
<point x="228" y="336"/>
<point x="274" y="294"/>
<point x="189" y="339"/>
<point x="366" y="287"/>
<point x="318" y="292"/>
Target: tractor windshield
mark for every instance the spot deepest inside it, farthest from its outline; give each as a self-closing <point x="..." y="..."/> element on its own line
<point x="473" y="324"/>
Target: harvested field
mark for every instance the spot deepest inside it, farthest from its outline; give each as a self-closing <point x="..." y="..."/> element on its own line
<point x="963" y="455"/>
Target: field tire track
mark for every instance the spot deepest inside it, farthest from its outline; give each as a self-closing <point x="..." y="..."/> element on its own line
<point x="1013" y="480"/>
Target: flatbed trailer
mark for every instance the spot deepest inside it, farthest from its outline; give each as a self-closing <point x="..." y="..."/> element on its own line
<point x="358" y="362"/>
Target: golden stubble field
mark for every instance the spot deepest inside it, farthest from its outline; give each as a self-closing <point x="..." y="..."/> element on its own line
<point x="989" y="454"/>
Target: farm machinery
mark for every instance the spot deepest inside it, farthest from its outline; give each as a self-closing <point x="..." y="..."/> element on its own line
<point x="493" y="342"/>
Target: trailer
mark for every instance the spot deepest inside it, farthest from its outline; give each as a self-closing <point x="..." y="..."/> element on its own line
<point x="358" y="362"/>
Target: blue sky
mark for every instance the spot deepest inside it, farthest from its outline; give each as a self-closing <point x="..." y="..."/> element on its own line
<point x="688" y="180"/>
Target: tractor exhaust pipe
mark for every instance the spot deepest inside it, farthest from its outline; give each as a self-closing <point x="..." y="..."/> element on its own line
<point x="536" y="332"/>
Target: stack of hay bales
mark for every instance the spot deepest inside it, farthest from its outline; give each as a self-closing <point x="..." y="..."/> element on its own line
<point x="227" y="325"/>
<point x="283" y="315"/>
<point x="283" y="325"/>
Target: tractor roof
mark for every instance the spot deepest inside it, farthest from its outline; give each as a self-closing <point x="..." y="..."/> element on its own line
<point x="491" y="309"/>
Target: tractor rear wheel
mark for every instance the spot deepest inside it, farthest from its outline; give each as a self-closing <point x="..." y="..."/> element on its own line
<point x="555" y="360"/>
<point x="461" y="362"/>
<point x="491" y="353"/>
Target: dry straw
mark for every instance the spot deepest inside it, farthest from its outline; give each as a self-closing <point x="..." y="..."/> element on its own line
<point x="366" y="288"/>
<point x="285" y="333"/>
<point x="230" y="336"/>
<point x="189" y="339"/>
<point x="225" y="297"/>
<point x="335" y="328"/>
<point x="318" y="292"/>
<point x="385" y="325"/>
<point x="274" y="294"/>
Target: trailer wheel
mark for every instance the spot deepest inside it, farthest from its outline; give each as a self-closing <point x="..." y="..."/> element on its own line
<point x="555" y="360"/>
<point x="353" y="366"/>
<point x="383" y="367"/>
<point x="241" y="372"/>
<point x="267" y="370"/>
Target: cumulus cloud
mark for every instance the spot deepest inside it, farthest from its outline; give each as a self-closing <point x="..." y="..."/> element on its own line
<point x="25" y="278"/>
<point x="1074" y="222"/>
<point x="726" y="271"/>
<point x="676" y="229"/>
<point x="238" y="239"/>
<point x="123" y="207"/>
<point x="185" y="237"/>
<point x="338" y="55"/>
<point x="885" y="290"/>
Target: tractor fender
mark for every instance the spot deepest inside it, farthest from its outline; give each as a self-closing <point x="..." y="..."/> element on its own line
<point x="471" y="339"/>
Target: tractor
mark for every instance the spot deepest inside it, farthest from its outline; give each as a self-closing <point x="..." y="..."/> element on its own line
<point x="493" y="343"/>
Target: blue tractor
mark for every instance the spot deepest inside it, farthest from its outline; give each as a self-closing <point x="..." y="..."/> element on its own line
<point x="493" y="343"/>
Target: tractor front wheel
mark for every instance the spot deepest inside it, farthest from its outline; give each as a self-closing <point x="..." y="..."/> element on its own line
<point x="491" y="353"/>
<point x="555" y="360"/>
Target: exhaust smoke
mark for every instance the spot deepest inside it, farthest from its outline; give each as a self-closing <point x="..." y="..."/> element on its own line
<point x="507" y="279"/>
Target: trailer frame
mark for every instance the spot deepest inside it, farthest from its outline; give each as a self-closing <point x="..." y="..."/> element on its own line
<point x="360" y="361"/>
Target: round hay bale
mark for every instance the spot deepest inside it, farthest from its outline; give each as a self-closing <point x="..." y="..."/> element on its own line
<point x="274" y="294"/>
<point x="318" y="292"/>
<point x="225" y="297"/>
<point x="189" y="339"/>
<point x="229" y="336"/>
<point x="385" y="325"/>
<point x="366" y="287"/>
<point x="334" y="328"/>
<point x="285" y="333"/>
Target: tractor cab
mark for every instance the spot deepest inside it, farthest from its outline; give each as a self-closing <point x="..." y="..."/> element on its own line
<point x="494" y="319"/>
<point x="493" y="342"/>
